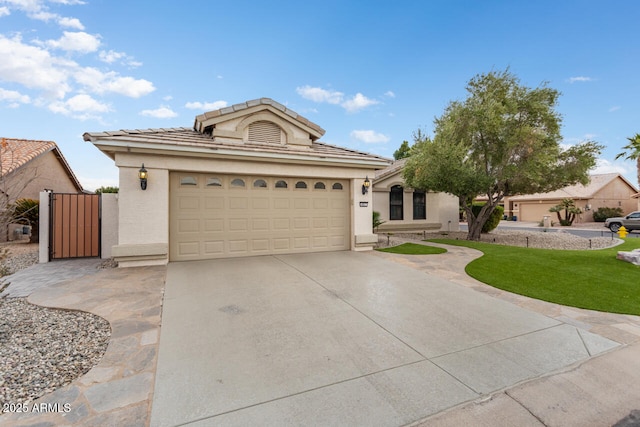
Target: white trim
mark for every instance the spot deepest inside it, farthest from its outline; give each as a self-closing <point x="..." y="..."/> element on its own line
<point x="128" y="146"/>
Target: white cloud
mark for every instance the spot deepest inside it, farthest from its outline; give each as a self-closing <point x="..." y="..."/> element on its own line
<point x="81" y="107"/>
<point x="160" y="113"/>
<point x="33" y="67"/>
<point x="206" y="106"/>
<point x="38" y="10"/>
<point x="13" y="97"/>
<point x="390" y="94"/>
<point x="369" y="136"/>
<point x="358" y="102"/>
<point x="614" y="108"/>
<point x="606" y="166"/>
<point x="71" y="23"/>
<point x="128" y="86"/>
<point x="112" y="56"/>
<point x="580" y="79"/>
<point x="76" y="42"/>
<point x="85" y="103"/>
<point x="64" y="85"/>
<point x="100" y="82"/>
<point x="317" y="94"/>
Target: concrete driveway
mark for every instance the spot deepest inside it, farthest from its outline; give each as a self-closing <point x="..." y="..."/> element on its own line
<point x="340" y="338"/>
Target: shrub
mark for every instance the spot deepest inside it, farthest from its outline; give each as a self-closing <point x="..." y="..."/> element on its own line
<point x="26" y="212"/>
<point x="601" y="214"/>
<point x="376" y="220"/>
<point x="493" y="220"/>
<point x="104" y="189"/>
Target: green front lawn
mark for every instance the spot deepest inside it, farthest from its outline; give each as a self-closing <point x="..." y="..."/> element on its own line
<point x="592" y="279"/>
<point x="413" y="249"/>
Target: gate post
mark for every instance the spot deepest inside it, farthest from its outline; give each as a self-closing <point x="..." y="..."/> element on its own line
<point x="43" y="247"/>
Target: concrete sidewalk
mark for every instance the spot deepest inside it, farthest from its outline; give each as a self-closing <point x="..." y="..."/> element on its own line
<point x="600" y="392"/>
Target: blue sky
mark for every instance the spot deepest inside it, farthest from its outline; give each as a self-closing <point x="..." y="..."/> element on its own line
<point x="369" y="72"/>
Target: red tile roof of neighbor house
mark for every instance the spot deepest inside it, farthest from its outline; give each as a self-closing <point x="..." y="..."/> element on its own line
<point x="15" y="153"/>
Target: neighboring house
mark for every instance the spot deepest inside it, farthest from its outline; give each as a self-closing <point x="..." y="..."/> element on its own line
<point x="249" y="179"/>
<point x="610" y="190"/>
<point x="406" y="209"/>
<point x="29" y="167"/>
<point x="637" y="196"/>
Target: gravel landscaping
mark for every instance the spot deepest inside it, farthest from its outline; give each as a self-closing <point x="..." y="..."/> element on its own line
<point x="536" y="239"/>
<point x="42" y="349"/>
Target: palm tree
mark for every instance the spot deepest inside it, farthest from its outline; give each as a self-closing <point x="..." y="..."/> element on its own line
<point x="632" y="152"/>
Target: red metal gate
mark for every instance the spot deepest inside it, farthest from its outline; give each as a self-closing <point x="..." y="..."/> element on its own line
<point x="74" y="221"/>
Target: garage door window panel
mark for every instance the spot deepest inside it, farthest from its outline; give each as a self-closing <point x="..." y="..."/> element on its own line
<point x="319" y="186"/>
<point x="336" y="186"/>
<point x="260" y="183"/>
<point x="188" y="181"/>
<point x="237" y="183"/>
<point x="280" y="184"/>
<point x="301" y="185"/>
<point x="214" y="182"/>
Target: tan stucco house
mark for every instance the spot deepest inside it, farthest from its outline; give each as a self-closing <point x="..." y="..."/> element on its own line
<point x="604" y="190"/>
<point x="405" y="209"/>
<point x="29" y="167"/>
<point x="249" y="179"/>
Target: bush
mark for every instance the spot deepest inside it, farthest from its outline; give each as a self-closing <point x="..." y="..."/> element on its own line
<point x="26" y="212"/>
<point x="601" y="214"/>
<point x="493" y="220"/>
<point x="376" y="221"/>
<point x="104" y="189"/>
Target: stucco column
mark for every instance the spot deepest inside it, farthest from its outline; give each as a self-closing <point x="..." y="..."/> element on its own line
<point x="364" y="239"/>
<point x="143" y="218"/>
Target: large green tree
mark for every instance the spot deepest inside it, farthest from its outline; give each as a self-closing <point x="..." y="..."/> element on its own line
<point x="502" y="140"/>
<point x="403" y="151"/>
<point x="632" y="152"/>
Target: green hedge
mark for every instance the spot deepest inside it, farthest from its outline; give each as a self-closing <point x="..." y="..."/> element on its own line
<point x="493" y="220"/>
<point x="601" y="214"/>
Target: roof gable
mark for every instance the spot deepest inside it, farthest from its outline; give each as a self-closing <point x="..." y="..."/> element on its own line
<point x="578" y="191"/>
<point x="229" y="133"/>
<point x="233" y="124"/>
<point x="16" y="153"/>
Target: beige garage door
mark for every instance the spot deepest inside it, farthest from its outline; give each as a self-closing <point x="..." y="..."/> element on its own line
<point x="220" y="216"/>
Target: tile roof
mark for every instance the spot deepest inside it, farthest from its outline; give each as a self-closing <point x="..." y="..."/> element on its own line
<point x="390" y="170"/>
<point x="577" y="191"/>
<point x="18" y="152"/>
<point x="185" y="137"/>
<point x="15" y="153"/>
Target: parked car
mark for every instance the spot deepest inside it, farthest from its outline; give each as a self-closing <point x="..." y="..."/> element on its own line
<point x="631" y="222"/>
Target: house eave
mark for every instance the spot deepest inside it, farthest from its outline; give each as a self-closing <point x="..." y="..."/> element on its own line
<point x="110" y="148"/>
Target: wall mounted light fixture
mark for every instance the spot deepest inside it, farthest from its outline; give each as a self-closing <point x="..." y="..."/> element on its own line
<point x="143" y="174"/>
<point x="365" y="185"/>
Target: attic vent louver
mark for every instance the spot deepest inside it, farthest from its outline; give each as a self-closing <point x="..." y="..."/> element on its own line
<point x="264" y="131"/>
